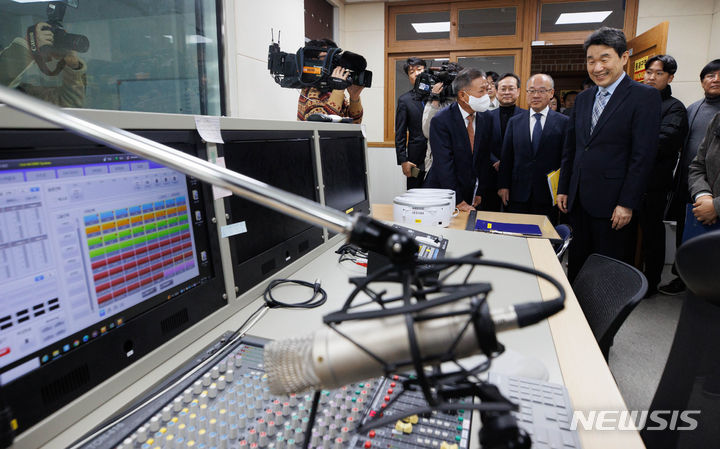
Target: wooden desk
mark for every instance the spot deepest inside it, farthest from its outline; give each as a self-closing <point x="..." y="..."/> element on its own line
<point x="460" y="221"/>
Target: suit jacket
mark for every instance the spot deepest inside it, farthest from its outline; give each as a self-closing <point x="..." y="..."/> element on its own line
<point x="610" y="167"/>
<point x="408" y="123"/>
<point x="455" y="166"/>
<point x="496" y="141"/>
<point x="521" y="170"/>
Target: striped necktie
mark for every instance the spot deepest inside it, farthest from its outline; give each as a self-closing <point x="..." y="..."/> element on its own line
<point x="471" y="130"/>
<point x="600" y="103"/>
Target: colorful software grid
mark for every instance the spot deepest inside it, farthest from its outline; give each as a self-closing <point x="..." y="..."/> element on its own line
<point x="139" y="247"/>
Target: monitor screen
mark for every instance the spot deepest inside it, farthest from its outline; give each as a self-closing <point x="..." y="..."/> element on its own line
<point x="91" y="241"/>
<point x="268" y="240"/>
<point x="344" y="171"/>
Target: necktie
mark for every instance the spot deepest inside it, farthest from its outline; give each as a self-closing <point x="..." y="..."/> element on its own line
<point x="471" y="131"/>
<point x="537" y="132"/>
<point x="600" y="103"/>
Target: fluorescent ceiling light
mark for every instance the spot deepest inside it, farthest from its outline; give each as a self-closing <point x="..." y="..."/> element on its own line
<point x="29" y="1"/>
<point x="568" y="18"/>
<point x="432" y="27"/>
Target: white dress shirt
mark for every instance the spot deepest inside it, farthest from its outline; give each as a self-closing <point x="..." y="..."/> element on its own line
<point x="544" y="113"/>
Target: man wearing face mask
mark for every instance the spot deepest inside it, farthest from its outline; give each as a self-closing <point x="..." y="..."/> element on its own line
<point x="459" y="141"/>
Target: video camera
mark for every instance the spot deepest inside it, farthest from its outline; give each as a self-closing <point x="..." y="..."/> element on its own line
<point x="307" y="69"/>
<point x="425" y="81"/>
<point x="63" y="41"/>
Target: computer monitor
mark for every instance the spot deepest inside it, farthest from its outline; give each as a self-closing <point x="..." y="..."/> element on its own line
<point x="263" y="241"/>
<point x="344" y="171"/>
<point x="103" y="258"/>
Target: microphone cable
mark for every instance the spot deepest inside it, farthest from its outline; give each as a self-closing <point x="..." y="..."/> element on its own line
<point x="318" y="298"/>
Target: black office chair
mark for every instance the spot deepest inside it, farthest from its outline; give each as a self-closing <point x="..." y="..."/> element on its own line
<point x="691" y="378"/>
<point x="565" y="233"/>
<point x="608" y="290"/>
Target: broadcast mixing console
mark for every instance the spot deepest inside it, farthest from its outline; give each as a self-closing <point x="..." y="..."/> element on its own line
<point x="227" y="405"/>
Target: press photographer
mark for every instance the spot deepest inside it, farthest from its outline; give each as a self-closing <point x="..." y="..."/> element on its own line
<point x="435" y="83"/>
<point x="53" y="51"/>
<point x="323" y="72"/>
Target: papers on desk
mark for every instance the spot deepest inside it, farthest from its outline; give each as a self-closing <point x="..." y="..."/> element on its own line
<point x="497" y="227"/>
<point x="553" y="179"/>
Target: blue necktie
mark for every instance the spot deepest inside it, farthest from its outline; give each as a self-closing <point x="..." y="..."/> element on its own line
<point x="537" y="132"/>
<point x="600" y="103"/>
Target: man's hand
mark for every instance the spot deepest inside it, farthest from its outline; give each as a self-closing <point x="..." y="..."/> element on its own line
<point x="562" y="201"/>
<point x="354" y="92"/>
<point x="504" y="195"/>
<point x="477" y="200"/>
<point x="496" y="166"/>
<point x="406" y="166"/>
<point x="340" y="72"/>
<point x="704" y="210"/>
<point x="465" y="207"/>
<point x="72" y="60"/>
<point x="437" y="88"/>
<point x="621" y="216"/>
<point x="43" y="35"/>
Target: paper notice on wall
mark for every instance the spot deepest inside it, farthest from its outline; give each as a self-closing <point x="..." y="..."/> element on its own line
<point x="209" y="128"/>
<point x="639" y="69"/>
<point x="220" y="192"/>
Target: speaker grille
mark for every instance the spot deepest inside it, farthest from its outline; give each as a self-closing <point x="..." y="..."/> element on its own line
<point x="65" y="385"/>
<point x="174" y="321"/>
<point x="268" y="266"/>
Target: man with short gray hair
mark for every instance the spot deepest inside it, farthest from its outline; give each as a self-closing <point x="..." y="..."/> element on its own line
<point x="531" y="149"/>
<point x="459" y="141"/>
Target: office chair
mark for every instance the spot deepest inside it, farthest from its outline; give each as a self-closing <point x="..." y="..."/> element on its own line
<point x="565" y="233"/>
<point x="691" y="378"/>
<point x="608" y="290"/>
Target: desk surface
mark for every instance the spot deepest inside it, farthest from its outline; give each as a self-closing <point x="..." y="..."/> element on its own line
<point x="385" y="212"/>
<point x="563" y="343"/>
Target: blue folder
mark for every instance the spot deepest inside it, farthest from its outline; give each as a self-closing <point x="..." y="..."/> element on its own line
<point x="507" y="228"/>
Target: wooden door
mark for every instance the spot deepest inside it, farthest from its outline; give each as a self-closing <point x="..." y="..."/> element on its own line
<point x="643" y="47"/>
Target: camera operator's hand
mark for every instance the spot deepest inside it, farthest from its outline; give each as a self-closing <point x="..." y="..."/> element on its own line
<point x="72" y="60"/>
<point x="341" y="72"/>
<point x="354" y="92"/>
<point x="436" y="89"/>
<point x="43" y="35"/>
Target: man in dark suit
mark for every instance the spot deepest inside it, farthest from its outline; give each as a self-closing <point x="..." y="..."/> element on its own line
<point x="611" y="146"/>
<point x="410" y="143"/>
<point x="459" y="141"/>
<point x="508" y="92"/>
<point x="532" y="148"/>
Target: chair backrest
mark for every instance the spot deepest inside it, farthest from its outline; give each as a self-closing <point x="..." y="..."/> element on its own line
<point x="608" y="290"/>
<point x="697" y="264"/>
<point x="565" y="233"/>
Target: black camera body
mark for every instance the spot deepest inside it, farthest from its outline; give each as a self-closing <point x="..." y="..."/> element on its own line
<point x="425" y="81"/>
<point x="63" y="41"/>
<point x="306" y="68"/>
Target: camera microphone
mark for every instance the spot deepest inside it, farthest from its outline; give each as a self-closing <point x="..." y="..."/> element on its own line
<point x="327" y="360"/>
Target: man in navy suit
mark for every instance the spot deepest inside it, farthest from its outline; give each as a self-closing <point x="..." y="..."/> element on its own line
<point x="611" y="146"/>
<point x="532" y="148"/>
<point x="508" y="92"/>
<point x="410" y="143"/>
<point x="459" y="141"/>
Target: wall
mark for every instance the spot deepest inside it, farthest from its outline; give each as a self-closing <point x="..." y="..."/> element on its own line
<point x="693" y="38"/>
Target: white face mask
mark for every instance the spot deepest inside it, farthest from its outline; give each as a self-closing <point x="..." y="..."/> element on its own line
<point x="479" y="104"/>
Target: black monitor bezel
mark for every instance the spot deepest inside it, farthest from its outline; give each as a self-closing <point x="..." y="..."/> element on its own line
<point x="363" y="206"/>
<point x="261" y="266"/>
<point x="90" y="364"/>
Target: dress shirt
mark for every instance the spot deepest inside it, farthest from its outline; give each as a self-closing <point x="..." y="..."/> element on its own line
<point x="465" y="115"/>
<point x="544" y="113"/>
<point x="611" y="88"/>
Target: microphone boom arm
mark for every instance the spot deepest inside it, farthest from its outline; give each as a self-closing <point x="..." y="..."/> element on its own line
<point x="360" y="230"/>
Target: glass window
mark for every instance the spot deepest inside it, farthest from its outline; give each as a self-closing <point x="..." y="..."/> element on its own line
<point x="487" y="22"/>
<point x="581" y="16"/>
<point x="497" y="64"/>
<point x="423" y="25"/>
<point x="132" y="55"/>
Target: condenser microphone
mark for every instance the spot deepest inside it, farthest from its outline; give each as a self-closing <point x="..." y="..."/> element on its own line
<point x="327" y="360"/>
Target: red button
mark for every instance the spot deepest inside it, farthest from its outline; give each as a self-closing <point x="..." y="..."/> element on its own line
<point x="383" y="405"/>
<point x="392" y="384"/>
<point x="386" y="398"/>
<point x="373" y="413"/>
<point x="368" y="445"/>
<point x="371" y="434"/>
<point x="390" y="391"/>
<point x="396" y="377"/>
<point x="4" y="351"/>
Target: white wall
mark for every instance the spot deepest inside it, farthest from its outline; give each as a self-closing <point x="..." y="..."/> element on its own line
<point x="250" y="90"/>
<point x="693" y="38"/>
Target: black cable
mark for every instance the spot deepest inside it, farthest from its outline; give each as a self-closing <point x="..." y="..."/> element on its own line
<point x="307" y="304"/>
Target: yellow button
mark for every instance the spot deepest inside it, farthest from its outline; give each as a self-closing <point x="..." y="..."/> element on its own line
<point x="411" y="419"/>
<point x="163" y="430"/>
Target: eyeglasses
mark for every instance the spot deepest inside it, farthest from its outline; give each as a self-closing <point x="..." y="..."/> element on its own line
<point x="538" y="91"/>
<point x="714" y="75"/>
